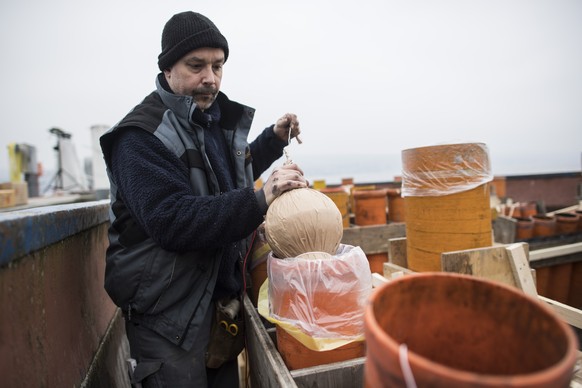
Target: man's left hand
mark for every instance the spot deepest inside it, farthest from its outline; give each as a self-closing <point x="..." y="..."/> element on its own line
<point x="288" y="123"/>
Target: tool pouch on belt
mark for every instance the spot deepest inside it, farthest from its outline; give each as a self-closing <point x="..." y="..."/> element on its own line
<point x="227" y="336"/>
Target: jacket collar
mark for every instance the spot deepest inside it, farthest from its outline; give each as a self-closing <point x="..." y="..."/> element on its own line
<point x="183" y="106"/>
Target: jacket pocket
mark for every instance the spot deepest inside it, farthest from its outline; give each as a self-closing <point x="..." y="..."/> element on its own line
<point x="136" y="277"/>
<point x="186" y="275"/>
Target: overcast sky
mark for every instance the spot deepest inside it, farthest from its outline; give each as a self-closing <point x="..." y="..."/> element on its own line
<point x="367" y="78"/>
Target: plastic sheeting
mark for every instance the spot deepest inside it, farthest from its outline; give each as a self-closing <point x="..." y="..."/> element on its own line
<point x="444" y="169"/>
<point x="318" y="298"/>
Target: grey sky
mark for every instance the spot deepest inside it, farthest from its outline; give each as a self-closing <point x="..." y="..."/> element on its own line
<point x="367" y="78"/>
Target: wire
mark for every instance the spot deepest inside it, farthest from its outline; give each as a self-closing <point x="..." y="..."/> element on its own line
<point x="244" y="275"/>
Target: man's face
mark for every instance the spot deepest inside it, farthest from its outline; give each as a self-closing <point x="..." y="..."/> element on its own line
<point x="197" y="74"/>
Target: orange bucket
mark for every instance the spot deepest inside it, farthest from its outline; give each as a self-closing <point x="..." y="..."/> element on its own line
<point x="566" y="223"/>
<point x="451" y="330"/>
<point x="341" y="198"/>
<point x="370" y="207"/>
<point x="544" y="226"/>
<point x="376" y="261"/>
<point x="396" y="206"/>
<point x="529" y="209"/>
<point x="524" y="229"/>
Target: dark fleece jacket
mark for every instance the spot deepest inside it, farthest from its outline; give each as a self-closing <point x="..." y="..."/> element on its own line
<point x="155" y="187"/>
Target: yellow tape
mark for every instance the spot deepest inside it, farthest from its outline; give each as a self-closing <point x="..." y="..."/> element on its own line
<point x="261" y="251"/>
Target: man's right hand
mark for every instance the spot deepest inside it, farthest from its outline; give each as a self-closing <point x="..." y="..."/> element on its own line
<point x="284" y="178"/>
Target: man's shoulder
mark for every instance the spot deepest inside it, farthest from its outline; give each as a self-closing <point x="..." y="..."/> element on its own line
<point x="232" y="112"/>
<point x="147" y="114"/>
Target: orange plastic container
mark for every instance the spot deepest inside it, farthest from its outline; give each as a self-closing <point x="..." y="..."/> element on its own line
<point x="544" y="226"/>
<point x="295" y="355"/>
<point x="370" y="207"/>
<point x="341" y="199"/>
<point x="396" y="206"/>
<point x="457" y="331"/>
<point x="447" y="199"/>
<point x="566" y="223"/>
<point x="524" y="229"/>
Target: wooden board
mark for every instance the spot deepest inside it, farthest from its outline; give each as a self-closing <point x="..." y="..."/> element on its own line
<point x="491" y="263"/>
<point x="392" y="270"/>
<point x="520" y="268"/>
<point x="346" y="374"/>
<point x="569" y="314"/>
<point x="7" y="198"/>
<point x="266" y="365"/>
<point x="20" y="191"/>
<point x="397" y="251"/>
<point x="373" y="239"/>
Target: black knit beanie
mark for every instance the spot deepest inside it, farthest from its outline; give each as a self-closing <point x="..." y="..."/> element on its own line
<point x="187" y="31"/>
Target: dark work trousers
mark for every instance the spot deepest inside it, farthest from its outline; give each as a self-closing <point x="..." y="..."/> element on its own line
<point x="161" y="364"/>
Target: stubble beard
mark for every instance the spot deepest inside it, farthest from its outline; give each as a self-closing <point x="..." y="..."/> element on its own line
<point x="205" y="98"/>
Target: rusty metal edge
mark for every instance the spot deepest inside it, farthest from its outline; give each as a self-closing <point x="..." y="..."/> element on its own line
<point x="26" y="231"/>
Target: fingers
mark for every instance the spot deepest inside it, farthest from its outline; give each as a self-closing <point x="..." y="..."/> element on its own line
<point x="290" y="166"/>
<point x="282" y="179"/>
<point x="287" y="127"/>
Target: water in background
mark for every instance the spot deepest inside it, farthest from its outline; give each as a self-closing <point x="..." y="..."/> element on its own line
<point x="376" y="168"/>
<point x="369" y="168"/>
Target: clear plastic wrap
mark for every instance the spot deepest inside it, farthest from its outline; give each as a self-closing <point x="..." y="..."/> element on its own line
<point x="318" y="298"/>
<point x="444" y="169"/>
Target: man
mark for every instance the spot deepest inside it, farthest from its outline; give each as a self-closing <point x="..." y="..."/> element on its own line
<point x="183" y="206"/>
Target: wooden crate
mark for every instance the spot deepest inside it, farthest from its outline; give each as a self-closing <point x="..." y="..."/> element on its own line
<point x="267" y="369"/>
<point x="375" y="238"/>
<point x="20" y="191"/>
<point x="7" y="198"/>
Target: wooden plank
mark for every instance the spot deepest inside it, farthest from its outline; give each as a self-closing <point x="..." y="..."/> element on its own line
<point x="7" y="198"/>
<point x="566" y="209"/>
<point x="20" y="191"/>
<point x="373" y="239"/>
<point x="577" y="378"/>
<point x="397" y="251"/>
<point x="392" y="270"/>
<point x="345" y="374"/>
<point x="490" y="262"/>
<point x="266" y="366"/>
<point x="569" y="314"/>
<point x="378" y="280"/>
<point x="520" y="268"/>
<point x="563" y="250"/>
